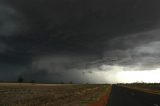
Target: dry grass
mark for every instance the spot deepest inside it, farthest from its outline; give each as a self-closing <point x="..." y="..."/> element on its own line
<point x="49" y="94"/>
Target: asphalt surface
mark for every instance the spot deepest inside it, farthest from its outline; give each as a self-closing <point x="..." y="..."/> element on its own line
<point x="121" y="96"/>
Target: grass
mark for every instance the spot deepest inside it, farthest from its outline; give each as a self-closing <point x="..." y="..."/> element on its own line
<point x="49" y="94"/>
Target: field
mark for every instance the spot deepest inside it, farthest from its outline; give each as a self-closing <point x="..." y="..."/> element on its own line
<point x="51" y="94"/>
<point x="145" y="87"/>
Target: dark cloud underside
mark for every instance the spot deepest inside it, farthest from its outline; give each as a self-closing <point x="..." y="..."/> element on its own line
<point x="60" y="37"/>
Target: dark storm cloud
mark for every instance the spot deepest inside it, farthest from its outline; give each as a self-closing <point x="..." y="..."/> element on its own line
<point x="12" y="22"/>
<point x="66" y="37"/>
<point x="2" y="47"/>
<point x="140" y="49"/>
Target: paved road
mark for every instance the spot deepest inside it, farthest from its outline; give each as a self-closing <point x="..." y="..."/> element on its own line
<point x="121" y="96"/>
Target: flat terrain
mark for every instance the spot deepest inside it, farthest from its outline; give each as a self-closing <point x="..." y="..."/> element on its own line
<point x="49" y="94"/>
<point x="123" y="96"/>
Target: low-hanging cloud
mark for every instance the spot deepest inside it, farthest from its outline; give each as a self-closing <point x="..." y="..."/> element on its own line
<point x="140" y="56"/>
<point x="141" y="49"/>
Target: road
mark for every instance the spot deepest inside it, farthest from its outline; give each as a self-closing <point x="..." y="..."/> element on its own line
<point x="121" y="96"/>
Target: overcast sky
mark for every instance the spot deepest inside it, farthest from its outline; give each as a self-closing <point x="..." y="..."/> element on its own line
<point x="95" y="41"/>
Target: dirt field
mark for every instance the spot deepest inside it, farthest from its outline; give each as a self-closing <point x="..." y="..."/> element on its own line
<point x="50" y="94"/>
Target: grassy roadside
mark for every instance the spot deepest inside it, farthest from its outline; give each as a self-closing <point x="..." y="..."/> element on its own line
<point x="102" y="98"/>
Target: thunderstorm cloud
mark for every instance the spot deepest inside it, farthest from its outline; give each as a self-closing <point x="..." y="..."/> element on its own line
<point x="94" y="41"/>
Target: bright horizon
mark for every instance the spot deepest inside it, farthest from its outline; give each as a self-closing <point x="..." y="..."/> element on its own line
<point x="118" y="74"/>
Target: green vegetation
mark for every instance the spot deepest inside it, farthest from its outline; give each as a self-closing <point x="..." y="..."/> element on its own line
<point x="20" y="79"/>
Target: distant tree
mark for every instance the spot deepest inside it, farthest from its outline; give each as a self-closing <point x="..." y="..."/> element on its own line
<point x="62" y="82"/>
<point x="32" y="81"/>
<point x="87" y="83"/>
<point x="20" y="79"/>
<point x="70" y="82"/>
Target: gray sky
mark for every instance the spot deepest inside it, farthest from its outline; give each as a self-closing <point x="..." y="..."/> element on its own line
<point x="79" y="40"/>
